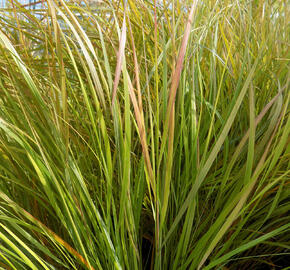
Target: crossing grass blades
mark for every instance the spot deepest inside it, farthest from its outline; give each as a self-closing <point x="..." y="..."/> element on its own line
<point x="144" y="135"/>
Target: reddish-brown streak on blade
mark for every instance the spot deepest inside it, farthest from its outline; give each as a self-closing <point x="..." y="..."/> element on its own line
<point x="138" y="108"/>
<point x="142" y="134"/>
<point x="47" y="230"/>
<point x="119" y="59"/>
<point x="136" y="69"/>
<point x="60" y="240"/>
<point x="169" y="123"/>
<point x="179" y="65"/>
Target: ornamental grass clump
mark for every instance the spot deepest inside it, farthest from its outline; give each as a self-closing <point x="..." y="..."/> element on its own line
<point x="144" y="135"/>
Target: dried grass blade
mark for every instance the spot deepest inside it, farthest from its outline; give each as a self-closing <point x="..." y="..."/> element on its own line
<point x="120" y="56"/>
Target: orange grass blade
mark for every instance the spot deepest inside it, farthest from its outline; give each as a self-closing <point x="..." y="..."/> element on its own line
<point x="47" y="230"/>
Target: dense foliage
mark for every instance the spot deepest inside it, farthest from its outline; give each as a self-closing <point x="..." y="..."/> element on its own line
<point x="144" y="135"/>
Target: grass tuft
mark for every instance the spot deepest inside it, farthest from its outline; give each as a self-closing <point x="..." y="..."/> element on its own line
<point x="144" y="135"/>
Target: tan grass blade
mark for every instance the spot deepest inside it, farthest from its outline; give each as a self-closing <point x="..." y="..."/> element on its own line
<point x="120" y="56"/>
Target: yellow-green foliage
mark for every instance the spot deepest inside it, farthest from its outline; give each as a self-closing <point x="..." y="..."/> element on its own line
<point x="144" y="135"/>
